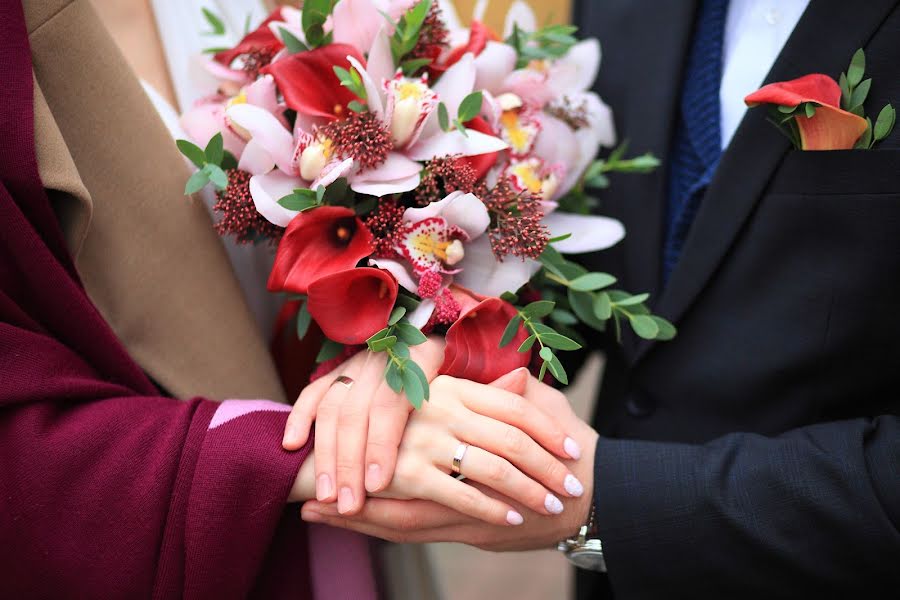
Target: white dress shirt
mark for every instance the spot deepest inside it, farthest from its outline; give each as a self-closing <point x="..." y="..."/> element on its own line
<point x="755" y="33"/>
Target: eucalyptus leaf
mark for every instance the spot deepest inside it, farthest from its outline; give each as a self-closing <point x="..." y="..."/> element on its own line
<point x="329" y="350"/>
<point x="859" y="95"/>
<point x="563" y="317"/>
<point x="528" y="344"/>
<point x="196" y="182"/>
<point x="393" y="378"/>
<point x="193" y="152"/>
<point x="582" y="304"/>
<point x="410" y="334"/>
<point x="667" y="331"/>
<point x="644" y="326"/>
<point x="470" y="106"/>
<point x="512" y="328"/>
<point x="885" y="122"/>
<point x="383" y="344"/>
<point x="218" y="26"/>
<point x="602" y="306"/>
<point x="857" y="68"/>
<point x="304" y="319"/>
<point x="215" y="149"/>
<point x="396" y="315"/>
<point x="539" y="309"/>
<point x="546" y="353"/>
<point x="412" y="385"/>
<point x="558" y="371"/>
<point x="443" y="117"/>
<point x="592" y="282"/>
<point x="633" y="300"/>
<point x="423" y="379"/>
<point x="559" y="342"/>
<point x="217" y="176"/>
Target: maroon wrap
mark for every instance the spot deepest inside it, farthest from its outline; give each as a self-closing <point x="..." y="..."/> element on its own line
<point x="107" y="489"/>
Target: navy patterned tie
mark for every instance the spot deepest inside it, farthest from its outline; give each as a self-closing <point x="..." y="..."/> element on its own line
<point x="698" y="137"/>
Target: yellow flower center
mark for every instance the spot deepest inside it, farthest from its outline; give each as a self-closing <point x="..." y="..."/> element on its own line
<point x="528" y="177"/>
<point x="426" y="243"/>
<point x="409" y="89"/>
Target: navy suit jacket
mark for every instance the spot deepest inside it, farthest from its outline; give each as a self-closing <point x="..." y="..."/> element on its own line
<point x="757" y="454"/>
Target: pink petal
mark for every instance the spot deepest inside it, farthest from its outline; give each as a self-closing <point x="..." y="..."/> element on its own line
<point x="380" y="63"/>
<point x="332" y="172"/>
<point x="484" y="274"/>
<point x="452" y="88"/>
<point x="494" y="65"/>
<point x="519" y="14"/>
<point x="373" y="91"/>
<point x="421" y="314"/>
<point x="589" y="233"/>
<point x="533" y="87"/>
<point x="256" y="160"/>
<point x="267" y="131"/>
<point x="577" y="70"/>
<point x="454" y="143"/>
<point x="380" y="189"/>
<point x="465" y="211"/>
<point x="266" y="190"/>
<point x="223" y="72"/>
<point x="399" y="270"/>
<point x="205" y="120"/>
<point x="264" y="94"/>
<point x="356" y="22"/>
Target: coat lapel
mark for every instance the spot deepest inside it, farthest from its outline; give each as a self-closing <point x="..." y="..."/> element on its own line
<point x="827" y="35"/>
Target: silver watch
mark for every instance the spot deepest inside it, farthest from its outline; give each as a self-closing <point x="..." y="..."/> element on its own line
<point x="585" y="551"/>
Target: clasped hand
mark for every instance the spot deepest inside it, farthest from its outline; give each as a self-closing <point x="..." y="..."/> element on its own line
<point x="368" y="442"/>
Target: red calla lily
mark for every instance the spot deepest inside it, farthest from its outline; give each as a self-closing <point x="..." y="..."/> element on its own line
<point x="260" y="39"/>
<point x="479" y="35"/>
<point x="317" y="243"/>
<point x="351" y="306"/>
<point x="482" y="163"/>
<point x="473" y="344"/>
<point x="831" y="128"/>
<point x="308" y="83"/>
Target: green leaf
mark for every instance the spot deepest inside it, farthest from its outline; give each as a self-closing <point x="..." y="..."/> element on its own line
<point x="410" y="334"/>
<point x="217" y="176"/>
<point x="512" y="328"/>
<point x="633" y="300"/>
<point x="443" y="117"/>
<point x="539" y="309"/>
<point x="320" y="193"/>
<point x="215" y="149"/>
<point x="509" y="297"/>
<point x="546" y="354"/>
<point x="393" y="378"/>
<point x="193" y="152"/>
<point x="460" y="127"/>
<point x="644" y="326"/>
<point x="304" y="319"/>
<point x="859" y="95"/>
<point x="382" y="344"/>
<point x="412" y="385"/>
<point x="400" y="349"/>
<point x="563" y="317"/>
<point x="408" y="302"/>
<point x="293" y="44"/>
<point x="543" y="372"/>
<point x="228" y="161"/>
<point x="845" y="91"/>
<point x="418" y="372"/>
<point x="560" y="342"/>
<point x="667" y="331"/>
<point x="592" y="282"/>
<point x="215" y="49"/>
<point x="396" y="315"/>
<point x="810" y="110"/>
<point x="218" y="27"/>
<point x="357" y="106"/>
<point x="558" y="371"/>
<point x="470" y="106"/>
<point x="857" y="68"/>
<point x="412" y="66"/>
<point x="602" y="306"/>
<point x="884" y="124"/>
<point x="329" y="351"/>
<point x="788" y="110"/>
<point x="560" y="238"/>
<point x="299" y="200"/>
<point x="865" y="140"/>
<point x="582" y="304"/>
<point x="528" y="344"/>
<point x="196" y="182"/>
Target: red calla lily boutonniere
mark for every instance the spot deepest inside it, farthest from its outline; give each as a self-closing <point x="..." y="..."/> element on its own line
<point x="818" y="113"/>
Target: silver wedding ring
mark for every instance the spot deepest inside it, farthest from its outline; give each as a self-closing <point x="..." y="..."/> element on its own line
<point x="344" y="381"/>
<point x="456" y="467"/>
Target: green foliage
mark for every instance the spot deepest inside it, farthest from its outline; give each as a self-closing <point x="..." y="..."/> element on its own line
<point x="217" y="26"/>
<point x="402" y="374"/>
<point x="315" y="13"/>
<point x="352" y="80"/>
<point x="211" y="162"/>
<point x="408" y="29"/>
<point x="854" y="92"/>
<point x="303" y="199"/>
<point x="443" y="117"/>
<point x="470" y="107"/>
<point x="293" y="44"/>
<point x="329" y="351"/>
<point x="548" y="43"/>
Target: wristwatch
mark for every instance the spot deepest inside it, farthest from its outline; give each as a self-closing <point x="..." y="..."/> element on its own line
<point x="586" y="550"/>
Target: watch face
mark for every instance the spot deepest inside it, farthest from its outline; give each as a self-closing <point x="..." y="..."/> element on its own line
<point x="590" y="560"/>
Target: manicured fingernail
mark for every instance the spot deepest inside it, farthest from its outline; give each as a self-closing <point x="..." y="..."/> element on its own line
<point x="514" y="518"/>
<point x="373" y="477"/>
<point x="573" y="486"/>
<point x="323" y="487"/>
<point x="553" y="505"/>
<point x="345" y="500"/>
<point x="572" y="448"/>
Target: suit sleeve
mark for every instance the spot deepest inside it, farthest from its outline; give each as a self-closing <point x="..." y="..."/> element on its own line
<point x="110" y="493"/>
<point x="813" y="510"/>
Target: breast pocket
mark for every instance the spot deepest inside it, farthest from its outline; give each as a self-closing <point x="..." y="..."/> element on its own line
<point x="838" y="172"/>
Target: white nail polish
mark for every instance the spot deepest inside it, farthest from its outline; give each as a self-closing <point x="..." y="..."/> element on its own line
<point x="572" y="448"/>
<point x="514" y="518"/>
<point x="573" y="486"/>
<point x="553" y="505"/>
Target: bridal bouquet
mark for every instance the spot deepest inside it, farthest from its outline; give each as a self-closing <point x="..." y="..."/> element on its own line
<point x="420" y="178"/>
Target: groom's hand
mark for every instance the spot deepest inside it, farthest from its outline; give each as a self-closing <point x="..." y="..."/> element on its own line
<point x="419" y="521"/>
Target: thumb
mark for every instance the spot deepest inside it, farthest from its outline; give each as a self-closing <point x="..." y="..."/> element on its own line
<point x="514" y="381"/>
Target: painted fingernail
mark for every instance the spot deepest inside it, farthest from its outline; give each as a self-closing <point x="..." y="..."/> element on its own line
<point x="573" y="486"/>
<point x="553" y="505"/>
<point x="514" y="518"/>
<point x="323" y="487"/>
<point x="345" y="500"/>
<point x="572" y="448"/>
<point x="373" y="477"/>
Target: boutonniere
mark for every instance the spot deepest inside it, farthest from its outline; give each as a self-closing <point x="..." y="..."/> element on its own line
<point x="818" y="113"/>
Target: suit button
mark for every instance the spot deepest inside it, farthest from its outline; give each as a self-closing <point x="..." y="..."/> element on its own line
<point x="639" y="405"/>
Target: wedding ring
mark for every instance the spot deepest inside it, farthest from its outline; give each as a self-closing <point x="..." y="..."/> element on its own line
<point x="457" y="459"/>
<point x="344" y="381"/>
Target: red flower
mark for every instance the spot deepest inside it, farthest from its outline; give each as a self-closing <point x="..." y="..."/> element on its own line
<point x="831" y="128"/>
<point x="259" y="41"/>
<point x="479" y="35"/>
<point x="482" y="163"/>
<point x="317" y="243"/>
<point x="473" y="344"/>
<point x="353" y="305"/>
<point x="308" y="83"/>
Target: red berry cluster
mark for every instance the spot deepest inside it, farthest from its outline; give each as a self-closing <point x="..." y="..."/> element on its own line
<point x="362" y="137"/>
<point x="517" y="228"/>
<point x="239" y="215"/>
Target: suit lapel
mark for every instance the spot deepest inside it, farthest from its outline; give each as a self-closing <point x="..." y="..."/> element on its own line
<point x="827" y="35"/>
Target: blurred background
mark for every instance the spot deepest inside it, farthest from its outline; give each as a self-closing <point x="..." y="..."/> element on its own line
<point x="463" y="573"/>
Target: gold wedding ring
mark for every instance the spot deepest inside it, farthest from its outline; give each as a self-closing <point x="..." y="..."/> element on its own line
<point x="344" y="381"/>
<point x="457" y="459"/>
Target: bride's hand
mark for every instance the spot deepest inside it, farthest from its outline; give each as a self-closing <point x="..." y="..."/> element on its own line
<point x="502" y="454"/>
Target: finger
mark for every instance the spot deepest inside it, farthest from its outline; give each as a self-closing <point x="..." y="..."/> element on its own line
<point x="465" y="499"/>
<point x="522" y="414"/>
<point x="402" y="515"/>
<point x="353" y="425"/>
<point x="303" y="413"/>
<point x="511" y="443"/>
<point x="500" y="475"/>
<point x="387" y="421"/>
<point x="325" y="453"/>
<point x="515" y="382"/>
